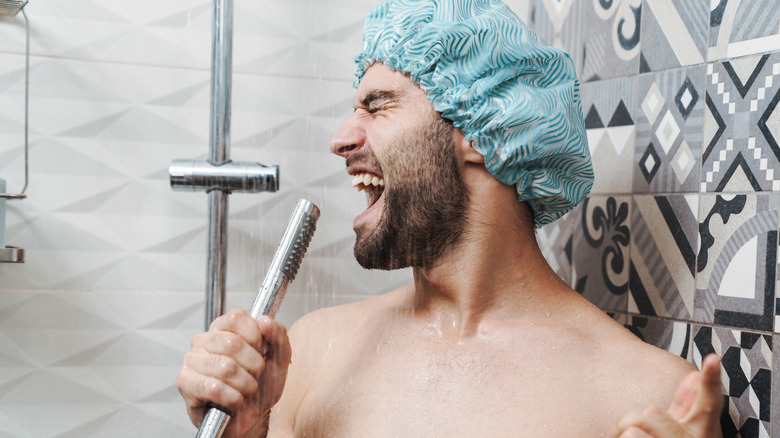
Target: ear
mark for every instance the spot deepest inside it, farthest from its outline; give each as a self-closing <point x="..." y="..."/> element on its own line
<point x="466" y="150"/>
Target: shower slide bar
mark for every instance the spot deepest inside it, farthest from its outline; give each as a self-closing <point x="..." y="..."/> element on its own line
<point x="219" y="176"/>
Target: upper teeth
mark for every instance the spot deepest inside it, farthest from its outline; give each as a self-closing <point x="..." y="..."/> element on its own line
<point x="367" y="180"/>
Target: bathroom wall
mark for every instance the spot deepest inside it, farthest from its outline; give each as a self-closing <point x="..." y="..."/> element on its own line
<point x="94" y="325"/>
<point x="679" y="238"/>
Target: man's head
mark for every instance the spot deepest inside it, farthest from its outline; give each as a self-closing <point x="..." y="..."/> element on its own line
<point x="405" y="156"/>
<point x="514" y="98"/>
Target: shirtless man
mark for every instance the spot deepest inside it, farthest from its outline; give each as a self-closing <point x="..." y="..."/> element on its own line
<point x="487" y="341"/>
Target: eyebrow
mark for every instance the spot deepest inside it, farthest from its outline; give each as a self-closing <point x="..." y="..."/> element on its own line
<point x="377" y="95"/>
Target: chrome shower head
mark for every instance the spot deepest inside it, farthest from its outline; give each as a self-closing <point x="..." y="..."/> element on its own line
<point x="11" y="7"/>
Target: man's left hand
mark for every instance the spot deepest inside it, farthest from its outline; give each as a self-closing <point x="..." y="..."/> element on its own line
<point x="695" y="410"/>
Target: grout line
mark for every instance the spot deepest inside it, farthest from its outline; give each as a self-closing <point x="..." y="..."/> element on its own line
<point x="174" y="67"/>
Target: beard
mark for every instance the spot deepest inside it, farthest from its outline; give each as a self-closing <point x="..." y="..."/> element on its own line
<point x="425" y="202"/>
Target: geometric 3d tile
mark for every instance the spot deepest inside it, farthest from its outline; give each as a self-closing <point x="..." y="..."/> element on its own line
<point x="669" y="128"/>
<point x="746" y="374"/>
<point x="601" y="251"/>
<point x="737" y="260"/>
<point x="741" y="127"/>
<point x="610" y="114"/>
<point x="664" y="238"/>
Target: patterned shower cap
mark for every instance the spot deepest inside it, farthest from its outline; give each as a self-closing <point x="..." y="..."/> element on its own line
<point x="513" y="96"/>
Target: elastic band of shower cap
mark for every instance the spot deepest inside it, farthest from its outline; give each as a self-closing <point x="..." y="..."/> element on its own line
<point x="513" y="96"/>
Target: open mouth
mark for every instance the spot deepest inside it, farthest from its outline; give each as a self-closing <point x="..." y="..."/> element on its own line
<point x="372" y="185"/>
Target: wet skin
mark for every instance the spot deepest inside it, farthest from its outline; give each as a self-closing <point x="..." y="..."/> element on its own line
<point x="487" y="341"/>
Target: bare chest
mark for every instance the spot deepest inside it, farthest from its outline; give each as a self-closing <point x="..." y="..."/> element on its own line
<point x="430" y="392"/>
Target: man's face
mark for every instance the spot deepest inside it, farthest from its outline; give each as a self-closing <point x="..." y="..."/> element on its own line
<point x="401" y="153"/>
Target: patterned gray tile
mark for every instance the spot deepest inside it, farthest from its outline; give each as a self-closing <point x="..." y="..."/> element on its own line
<point x="674" y="33"/>
<point x="741" y="28"/>
<point x="669" y="130"/>
<point x="610" y="111"/>
<point x="664" y="238"/>
<point x="601" y="251"/>
<point x="746" y="374"/>
<point x="672" y="336"/>
<point x="560" y="23"/>
<point x="556" y="242"/>
<point x="742" y="125"/>
<point x="737" y="260"/>
<point x="775" y="384"/>
<point x="612" y="41"/>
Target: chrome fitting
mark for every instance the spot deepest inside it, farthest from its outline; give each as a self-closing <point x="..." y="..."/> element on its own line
<point x="194" y="176"/>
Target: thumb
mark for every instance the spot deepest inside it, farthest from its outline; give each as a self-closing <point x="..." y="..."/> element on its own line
<point x="709" y="401"/>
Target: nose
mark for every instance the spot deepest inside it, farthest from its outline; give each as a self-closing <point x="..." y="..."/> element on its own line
<point x="350" y="138"/>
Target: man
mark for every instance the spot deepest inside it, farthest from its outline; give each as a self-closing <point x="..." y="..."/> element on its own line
<point x="467" y="133"/>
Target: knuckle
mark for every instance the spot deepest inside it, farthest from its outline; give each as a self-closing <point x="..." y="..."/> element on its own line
<point x="189" y="359"/>
<point x="213" y="391"/>
<point x="235" y="314"/>
<point x="197" y="340"/>
<point x="231" y="341"/>
<point x="228" y="367"/>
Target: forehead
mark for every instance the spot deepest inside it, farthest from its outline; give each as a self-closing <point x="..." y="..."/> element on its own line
<point x="383" y="78"/>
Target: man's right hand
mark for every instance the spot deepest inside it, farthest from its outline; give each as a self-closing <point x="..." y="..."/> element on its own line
<point x="239" y="364"/>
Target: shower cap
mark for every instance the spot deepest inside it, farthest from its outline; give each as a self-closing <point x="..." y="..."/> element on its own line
<point x="513" y="96"/>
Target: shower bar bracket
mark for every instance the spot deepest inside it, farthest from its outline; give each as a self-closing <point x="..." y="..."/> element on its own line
<point x="11" y="254"/>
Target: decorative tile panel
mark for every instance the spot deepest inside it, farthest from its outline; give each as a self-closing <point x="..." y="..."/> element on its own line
<point x="746" y="374"/>
<point x="601" y="251"/>
<point x="672" y="336"/>
<point x="737" y="260"/>
<point x="741" y="28"/>
<point x="610" y="111"/>
<point x="669" y="130"/>
<point x="742" y="125"/>
<point x="674" y="33"/>
<point x="556" y="241"/>
<point x="664" y="238"/>
<point x="612" y="40"/>
<point x="561" y="24"/>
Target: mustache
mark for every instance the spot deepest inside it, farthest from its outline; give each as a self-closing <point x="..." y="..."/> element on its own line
<point x="363" y="158"/>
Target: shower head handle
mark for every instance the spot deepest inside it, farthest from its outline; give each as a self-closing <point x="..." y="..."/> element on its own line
<point x="284" y="266"/>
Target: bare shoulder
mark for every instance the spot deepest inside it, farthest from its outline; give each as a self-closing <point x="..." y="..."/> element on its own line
<point x="320" y="341"/>
<point x="642" y="373"/>
<point x="330" y="329"/>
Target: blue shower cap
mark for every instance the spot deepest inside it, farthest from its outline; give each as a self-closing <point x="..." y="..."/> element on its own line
<point x="513" y="96"/>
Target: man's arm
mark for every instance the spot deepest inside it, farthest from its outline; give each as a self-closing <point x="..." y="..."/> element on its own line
<point x="694" y="413"/>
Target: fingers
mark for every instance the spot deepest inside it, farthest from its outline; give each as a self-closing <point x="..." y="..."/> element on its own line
<point x="652" y="421"/>
<point x="704" y="416"/>
<point x="198" y="390"/>
<point x="685" y="396"/>
<point x="710" y="398"/>
<point x="226" y="363"/>
<point x="275" y="335"/>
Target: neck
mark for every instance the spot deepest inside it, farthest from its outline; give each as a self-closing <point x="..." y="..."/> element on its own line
<point x="496" y="272"/>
